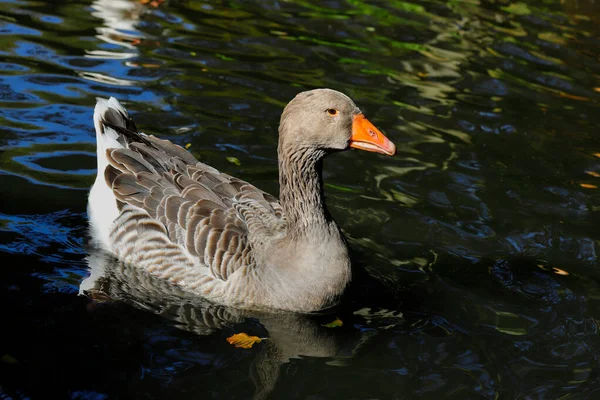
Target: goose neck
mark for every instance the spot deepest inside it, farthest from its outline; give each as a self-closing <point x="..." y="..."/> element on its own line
<point x="301" y="189"/>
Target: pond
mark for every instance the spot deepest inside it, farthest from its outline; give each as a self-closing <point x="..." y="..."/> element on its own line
<point x="478" y="242"/>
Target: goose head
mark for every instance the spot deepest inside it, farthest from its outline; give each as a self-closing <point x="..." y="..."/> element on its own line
<point x="326" y="120"/>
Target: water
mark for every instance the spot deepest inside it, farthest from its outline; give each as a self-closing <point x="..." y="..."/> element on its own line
<point x="479" y="241"/>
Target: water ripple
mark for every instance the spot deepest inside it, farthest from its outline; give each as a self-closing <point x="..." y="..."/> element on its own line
<point x="484" y="226"/>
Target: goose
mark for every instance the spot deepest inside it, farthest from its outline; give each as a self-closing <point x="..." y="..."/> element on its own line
<point x="154" y="206"/>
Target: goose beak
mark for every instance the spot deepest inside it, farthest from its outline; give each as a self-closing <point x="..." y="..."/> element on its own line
<point x="366" y="137"/>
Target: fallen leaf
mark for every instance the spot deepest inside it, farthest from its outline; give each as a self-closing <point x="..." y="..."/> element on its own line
<point x="234" y="160"/>
<point x="188" y="145"/>
<point x="593" y="173"/>
<point x="588" y="186"/>
<point x="560" y="271"/>
<point x="334" y="324"/>
<point x="242" y="340"/>
<point x="597" y="89"/>
<point x="596" y="155"/>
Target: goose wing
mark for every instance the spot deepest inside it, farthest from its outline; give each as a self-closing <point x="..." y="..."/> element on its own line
<point x="217" y="219"/>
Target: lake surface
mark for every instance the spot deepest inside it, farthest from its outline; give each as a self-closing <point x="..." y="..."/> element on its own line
<point x="478" y="242"/>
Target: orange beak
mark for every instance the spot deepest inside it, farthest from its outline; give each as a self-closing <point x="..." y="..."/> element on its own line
<point x="366" y="137"/>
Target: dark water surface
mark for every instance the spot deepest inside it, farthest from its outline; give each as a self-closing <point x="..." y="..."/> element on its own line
<point x="480" y="239"/>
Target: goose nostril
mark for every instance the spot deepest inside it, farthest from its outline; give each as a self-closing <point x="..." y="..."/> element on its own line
<point x="373" y="134"/>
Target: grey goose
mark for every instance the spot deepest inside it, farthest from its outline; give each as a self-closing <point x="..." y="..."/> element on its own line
<point x="155" y="206"/>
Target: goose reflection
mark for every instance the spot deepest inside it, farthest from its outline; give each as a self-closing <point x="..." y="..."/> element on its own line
<point x="289" y="335"/>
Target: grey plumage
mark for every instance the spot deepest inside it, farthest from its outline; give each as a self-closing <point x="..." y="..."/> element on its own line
<point x="215" y="235"/>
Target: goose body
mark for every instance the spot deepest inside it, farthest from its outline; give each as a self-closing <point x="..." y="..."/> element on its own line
<point x="154" y="206"/>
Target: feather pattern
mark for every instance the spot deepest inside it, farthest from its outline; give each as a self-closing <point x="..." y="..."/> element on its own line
<point x="205" y="215"/>
<point x="158" y="208"/>
<point x="180" y="219"/>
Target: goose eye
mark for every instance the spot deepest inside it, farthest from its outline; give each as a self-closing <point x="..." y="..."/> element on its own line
<point x="332" y="111"/>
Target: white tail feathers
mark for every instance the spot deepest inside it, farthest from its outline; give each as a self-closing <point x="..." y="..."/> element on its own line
<point x="108" y="111"/>
<point x="102" y="204"/>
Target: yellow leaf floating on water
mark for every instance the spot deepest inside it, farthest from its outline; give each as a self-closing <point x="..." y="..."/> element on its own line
<point x="588" y="186"/>
<point x="188" y="145"/>
<point x="234" y="160"/>
<point x="593" y="173"/>
<point x="334" y="324"/>
<point x="243" y="341"/>
<point x="559" y="271"/>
